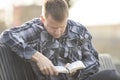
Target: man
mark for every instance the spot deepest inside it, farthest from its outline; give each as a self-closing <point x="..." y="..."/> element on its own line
<point x="53" y="40"/>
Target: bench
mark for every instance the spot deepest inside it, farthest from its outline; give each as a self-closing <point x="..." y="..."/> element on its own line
<point x="13" y="67"/>
<point x="106" y="62"/>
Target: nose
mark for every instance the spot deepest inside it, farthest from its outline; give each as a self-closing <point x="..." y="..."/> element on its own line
<point x="58" y="31"/>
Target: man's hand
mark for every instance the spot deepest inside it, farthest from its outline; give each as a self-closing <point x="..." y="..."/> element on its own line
<point x="44" y="64"/>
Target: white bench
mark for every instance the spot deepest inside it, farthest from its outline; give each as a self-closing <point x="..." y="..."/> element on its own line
<point x="106" y="62"/>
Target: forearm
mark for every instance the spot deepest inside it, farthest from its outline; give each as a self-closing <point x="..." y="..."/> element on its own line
<point x="37" y="56"/>
<point x="91" y="68"/>
<point x="89" y="55"/>
<point x="90" y="59"/>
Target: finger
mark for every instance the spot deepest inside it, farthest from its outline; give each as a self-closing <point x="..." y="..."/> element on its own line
<point x="46" y="70"/>
<point x="41" y="67"/>
<point x="51" y="72"/>
<point x="43" y="70"/>
<point x="55" y="72"/>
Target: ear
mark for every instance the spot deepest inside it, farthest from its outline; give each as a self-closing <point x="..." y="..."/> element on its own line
<point x="42" y="19"/>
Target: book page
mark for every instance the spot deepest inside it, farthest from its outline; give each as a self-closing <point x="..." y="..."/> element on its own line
<point x="61" y="69"/>
<point x="71" y="67"/>
<point x="75" y="66"/>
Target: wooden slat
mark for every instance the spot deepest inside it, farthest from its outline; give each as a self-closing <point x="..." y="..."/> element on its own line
<point x="12" y="67"/>
<point x="106" y="62"/>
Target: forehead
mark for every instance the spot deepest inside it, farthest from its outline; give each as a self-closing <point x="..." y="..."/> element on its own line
<point x="52" y="22"/>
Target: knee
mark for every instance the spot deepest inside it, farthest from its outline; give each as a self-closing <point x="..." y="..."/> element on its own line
<point x="111" y="75"/>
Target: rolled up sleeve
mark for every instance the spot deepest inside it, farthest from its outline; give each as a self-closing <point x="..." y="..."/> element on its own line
<point x="16" y="39"/>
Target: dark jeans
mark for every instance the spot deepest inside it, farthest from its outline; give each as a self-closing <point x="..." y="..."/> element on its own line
<point x="105" y="75"/>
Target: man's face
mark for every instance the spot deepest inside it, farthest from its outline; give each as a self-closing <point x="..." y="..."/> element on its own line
<point x="55" y="28"/>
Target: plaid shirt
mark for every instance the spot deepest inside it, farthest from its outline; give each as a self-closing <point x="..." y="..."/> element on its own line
<point x="74" y="44"/>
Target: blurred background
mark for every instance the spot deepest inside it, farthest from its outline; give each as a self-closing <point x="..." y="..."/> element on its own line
<point x="101" y="17"/>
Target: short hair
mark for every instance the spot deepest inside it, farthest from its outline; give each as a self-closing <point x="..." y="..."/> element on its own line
<point x="58" y="9"/>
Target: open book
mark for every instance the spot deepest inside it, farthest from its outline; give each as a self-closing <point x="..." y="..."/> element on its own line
<point x="72" y="67"/>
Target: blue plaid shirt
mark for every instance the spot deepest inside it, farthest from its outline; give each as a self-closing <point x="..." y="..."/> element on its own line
<point x="74" y="45"/>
